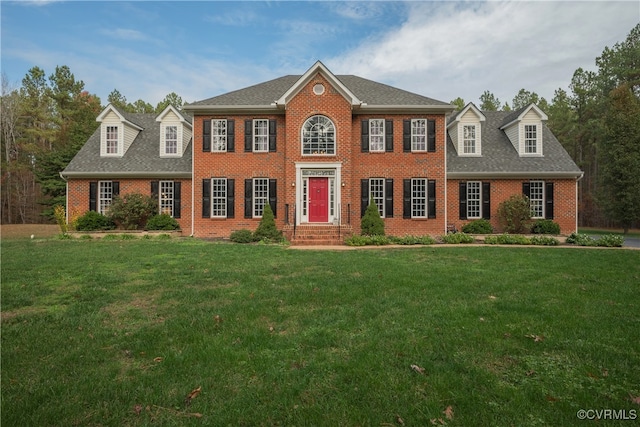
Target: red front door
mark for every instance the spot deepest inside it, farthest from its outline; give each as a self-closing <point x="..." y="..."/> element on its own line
<point x="318" y="199"/>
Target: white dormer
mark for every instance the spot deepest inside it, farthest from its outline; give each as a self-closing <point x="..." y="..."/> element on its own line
<point x="525" y="131"/>
<point x="175" y="132"/>
<point x="116" y="132"/>
<point x="466" y="131"/>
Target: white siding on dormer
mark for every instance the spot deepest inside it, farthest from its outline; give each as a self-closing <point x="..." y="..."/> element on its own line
<point x="469" y="118"/>
<point x="186" y="137"/>
<point x="531" y="118"/>
<point x="513" y="135"/>
<point x="163" y="134"/>
<point x="130" y="133"/>
<point x="453" y="133"/>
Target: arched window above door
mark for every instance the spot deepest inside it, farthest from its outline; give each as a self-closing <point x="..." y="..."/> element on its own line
<point x="318" y="136"/>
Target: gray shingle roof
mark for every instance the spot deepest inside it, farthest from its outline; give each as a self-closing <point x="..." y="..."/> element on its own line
<point x="141" y="159"/>
<point x="500" y="158"/>
<point x="368" y="91"/>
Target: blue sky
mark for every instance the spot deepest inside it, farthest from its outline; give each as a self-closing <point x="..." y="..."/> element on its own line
<point x="147" y="49"/>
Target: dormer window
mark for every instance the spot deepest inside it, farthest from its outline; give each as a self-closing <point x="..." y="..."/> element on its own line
<point x="171" y="140"/>
<point x="111" y="140"/>
<point x="531" y="139"/>
<point x="469" y="139"/>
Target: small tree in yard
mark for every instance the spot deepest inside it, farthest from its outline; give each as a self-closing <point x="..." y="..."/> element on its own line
<point x="132" y="210"/>
<point x="372" y="224"/>
<point x="514" y="214"/>
<point x="267" y="228"/>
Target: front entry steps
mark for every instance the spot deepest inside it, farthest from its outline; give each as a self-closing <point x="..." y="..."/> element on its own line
<point x="317" y="234"/>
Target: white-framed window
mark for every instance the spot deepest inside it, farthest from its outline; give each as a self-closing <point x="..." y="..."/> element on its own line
<point x="260" y="195"/>
<point x="111" y="141"/>
<point x="171" y="139"/>
<point x="419" y="135"/>
<point x="260" y="136"/>
<point x="318" y="136"/>
<point x="376" y="193"/>
<point x="530" y="139"/>
<point x="219" y="135"/>
<point x="219" y="197"/>
<point x="536" y="199"/>
<point x="474" y="199"/>
<point x="105" y="196"/>
<point x="166" y="197"/>
<point x="418" y="198"/>
<point x="376" y="135"/>
<point x="469" y="139"/>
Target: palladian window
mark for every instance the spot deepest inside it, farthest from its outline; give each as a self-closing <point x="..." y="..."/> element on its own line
<point x="318" y="136"/>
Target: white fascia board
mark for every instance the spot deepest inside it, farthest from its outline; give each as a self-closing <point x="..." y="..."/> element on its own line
<point x="515" y="174"/>
<point x="116" y="175"/>
<point x="240" y="109"/>
<point x="175" y="111"/>
<point x="412" y="109"/>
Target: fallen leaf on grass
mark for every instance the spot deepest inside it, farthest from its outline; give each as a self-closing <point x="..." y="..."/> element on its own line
<point x="551" y="398"/>
<point x="448" y="412"/>
<point x="399" y="420"/>
<point x="217" y="318"/>
<point x="530" y="373"/>
<point x="157" y="359"/>
<point x="535" y="338"/>
<point x="194" y="393"/>
<point x="635" y="400"/>
<point x="137" y="409"/>
<point x="492" y="297"/>
<point x="418" y="369"/>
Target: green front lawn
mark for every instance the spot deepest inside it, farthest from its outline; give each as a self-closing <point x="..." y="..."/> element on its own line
<point x="120" y="333"/>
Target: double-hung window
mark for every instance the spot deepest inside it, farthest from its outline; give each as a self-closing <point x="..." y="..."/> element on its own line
<point x="376" y="135"/>
<point x="218" y="135"/>
<point x="171" y="139"/>
<point x="418" y="135"/>
<point x="219" y="197"/>
<point x="105" y="196"/>
<point x="418" y="198"/>
<point x="376" y="194"/>
<point x="112" y="140"/>
<point x="260" y="196"/>
<point x="469" y="139"/>
<point x="536" y="199"/>
<point x="530" y="139"/>
<point x="166" y="197"/>
<point x="474" y="199"/>
<point x="261" y="135"/>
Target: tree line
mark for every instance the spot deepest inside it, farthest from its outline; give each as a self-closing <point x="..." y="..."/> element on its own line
<point x="597" y="119"/>
<point x="45" y="121"/>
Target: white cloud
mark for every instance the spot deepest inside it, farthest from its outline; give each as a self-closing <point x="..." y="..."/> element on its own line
<point x="445" y="50"/>
<point x="124" y="34"/>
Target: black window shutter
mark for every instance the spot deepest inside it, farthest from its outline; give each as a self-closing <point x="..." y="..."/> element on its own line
<point x="388" y="198"/>
<point x="406" y="136"/>
<point x="115" y="188"/>
<point x="406" y="198"/>
<point x="548" y="212"/>
<point x="231" y="136"/>
<point x="93" y="196"/>
<point x="526" y="189"/>
<point x="272" y="136"/>
<point x="388" y="136"/>
<point x="431" y="198"/>
<point x="177" y="197"/>
<point x="231" y="198"/>
<point x="155" y="189"/>
<point x="486" y="200"/>
<point x="462" y="197"/>
<point x="248" y="136"/>
<point x="206" y="198"/>
<point x="431" y="136"/>
<point x="206" y="135"/>
<point x="364" y="138"/>
<point x="273" y="196"/>
<point x="364" y="194"/>
<point x="248" y="198"/>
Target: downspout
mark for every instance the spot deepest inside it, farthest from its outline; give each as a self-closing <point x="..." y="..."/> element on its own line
<point x="446" y="179"/>
<point x="66" y="198"/>
<point x="193" y="184"/>
<point x="577" y="204"/>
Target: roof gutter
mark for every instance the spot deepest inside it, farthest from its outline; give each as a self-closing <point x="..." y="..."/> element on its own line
<point x="411" y="109"/>
<point x="228" y="109"/>
<point x="515" y="175"/>
<point x="113" y="175"/>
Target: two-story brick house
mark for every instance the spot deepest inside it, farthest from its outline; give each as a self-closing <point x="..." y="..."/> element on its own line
<point x="318" y="148"/>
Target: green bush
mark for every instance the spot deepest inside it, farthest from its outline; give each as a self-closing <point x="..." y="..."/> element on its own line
<point x="241" y="236"/>
<point x="412" y="240"/>
<point x="611" y="241"/>
<point x="456" y="238"/>
<point x="514" y="214"/>
<point x="544" y="241"/>
<point x="372" y="224"/>
<point x="132" y="210"/>
<point x="164" y="236"/>
<point x="110" y="237"/>
<point x="94" y="221"/>
<point x="581" y="239"/>
<point x="478" y="226"/>
<point x="545" y="226"/>
<point x="356" y="240"/>
<point x="507" y="239"/>
<point x="375" y="240"/>
<point x="267" y="230"/>
<point x="162" y="222"/>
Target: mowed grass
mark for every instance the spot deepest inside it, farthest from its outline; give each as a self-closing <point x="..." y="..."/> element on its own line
<point x="119" y="333"/>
